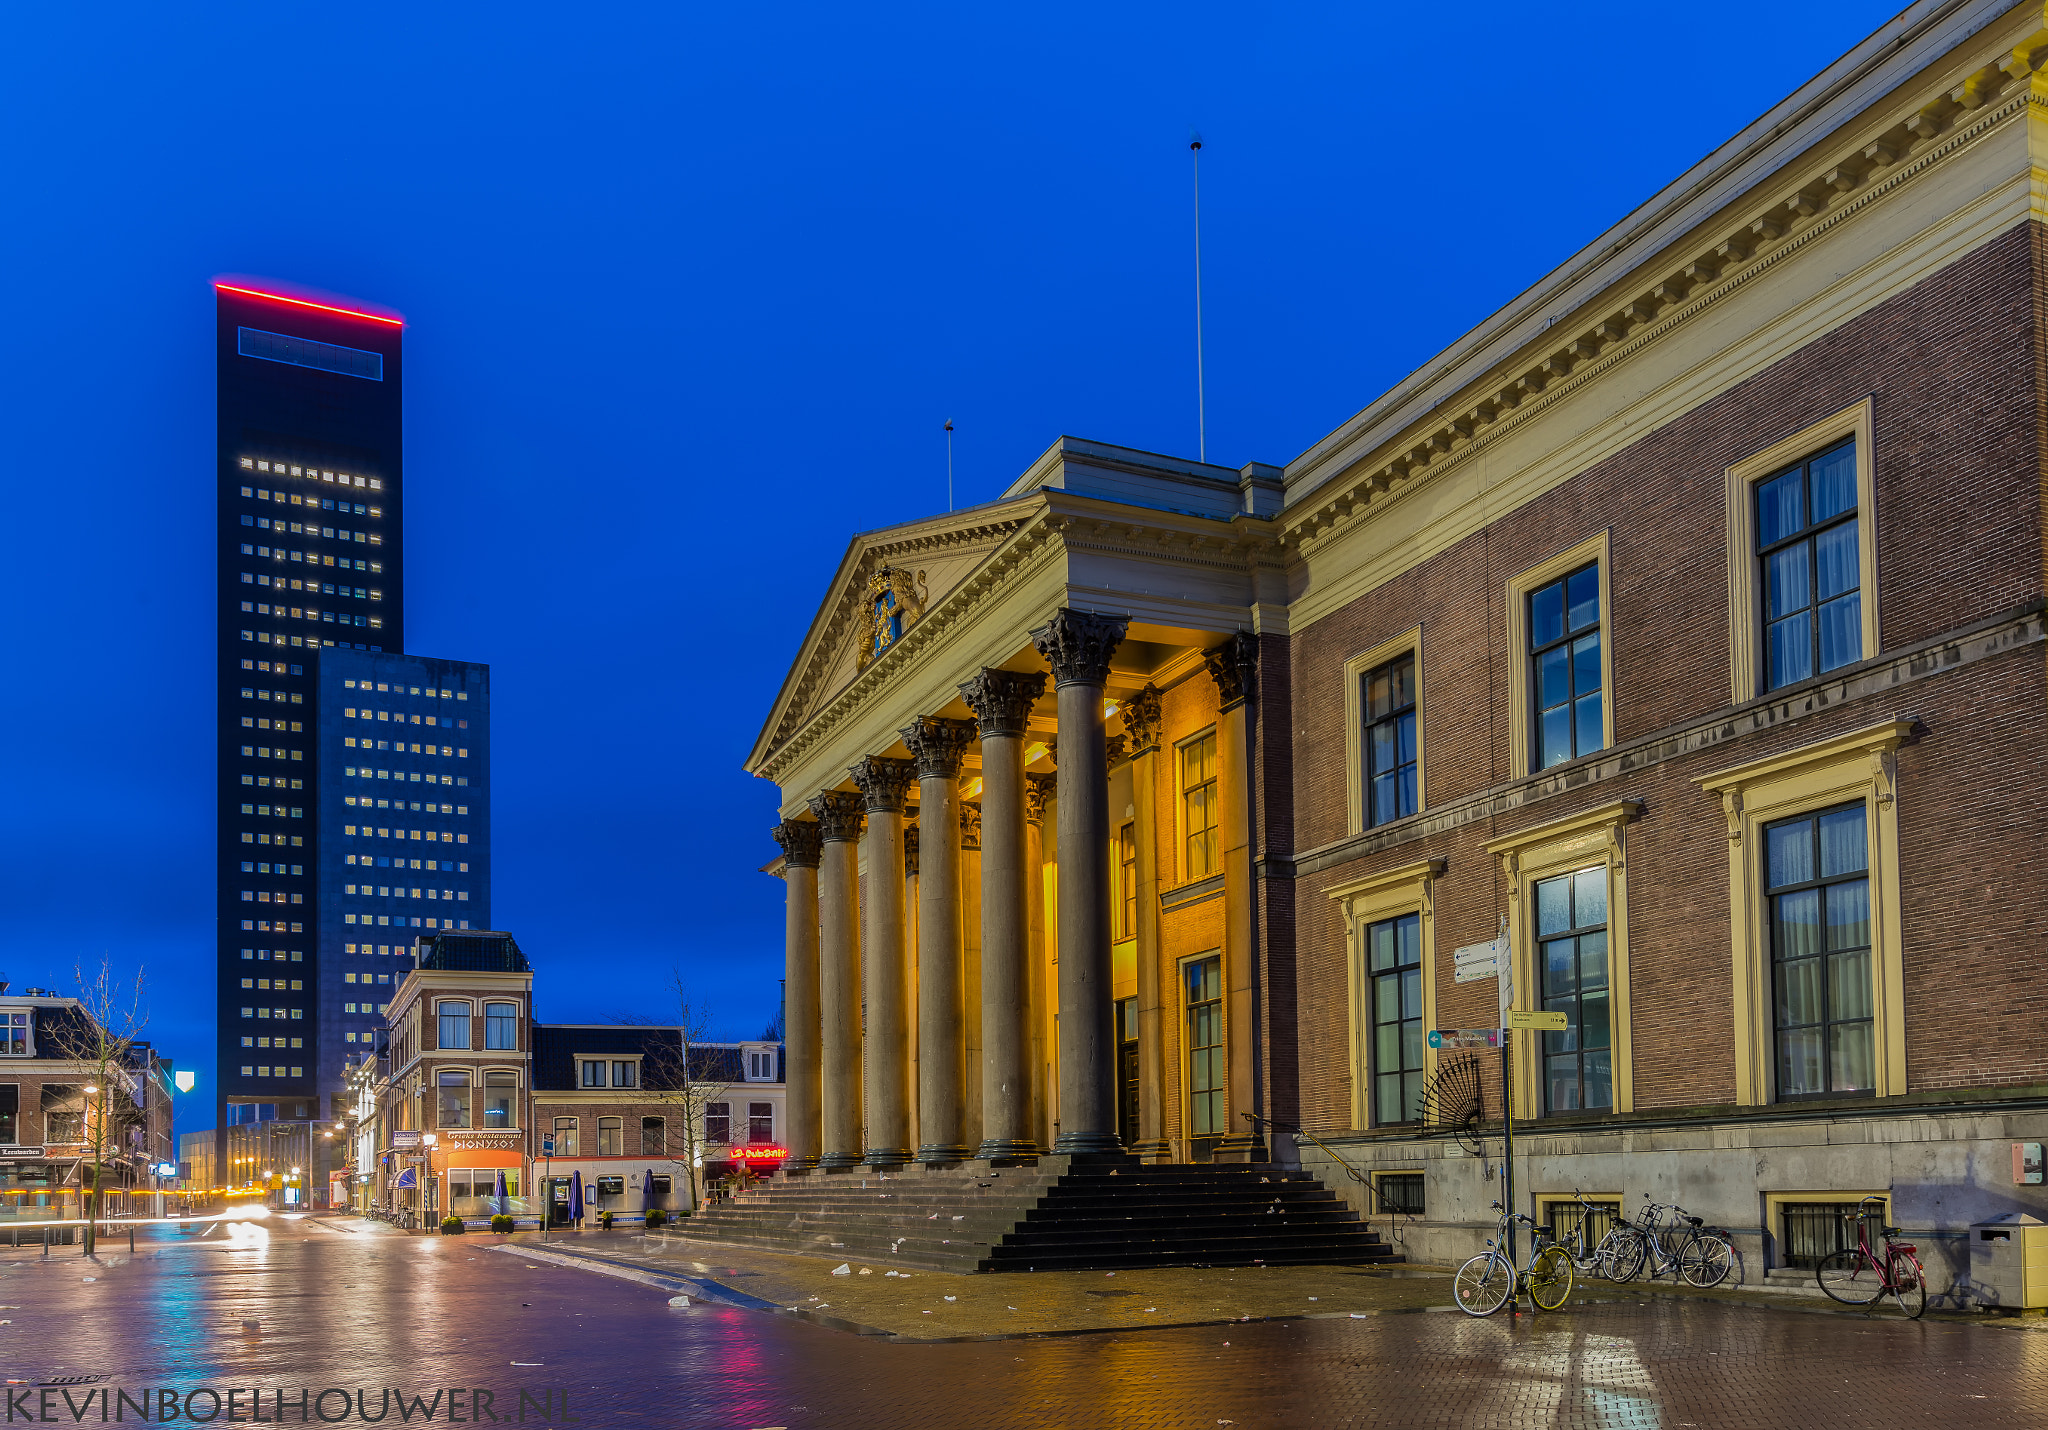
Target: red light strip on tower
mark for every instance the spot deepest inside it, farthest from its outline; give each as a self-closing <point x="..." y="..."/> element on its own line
<point x="305" y="303"/>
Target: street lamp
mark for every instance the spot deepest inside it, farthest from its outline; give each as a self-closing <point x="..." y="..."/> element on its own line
<point x="428" y="1140"/>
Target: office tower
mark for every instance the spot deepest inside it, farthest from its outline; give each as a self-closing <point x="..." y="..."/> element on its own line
<point x="404" y="816"/>
<point x="312" y="612"/>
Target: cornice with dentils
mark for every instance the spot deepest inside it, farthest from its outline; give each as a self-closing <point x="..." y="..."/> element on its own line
<point x="1693" y="275"/>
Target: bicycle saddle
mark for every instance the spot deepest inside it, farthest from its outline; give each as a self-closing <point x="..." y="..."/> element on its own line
<point x="1544" y="1229"/>
<point x="1888" y="1231"/>
<point x="1696" y="1221"/>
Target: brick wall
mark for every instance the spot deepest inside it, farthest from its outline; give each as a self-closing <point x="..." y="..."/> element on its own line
<point x="1954" y="369"/>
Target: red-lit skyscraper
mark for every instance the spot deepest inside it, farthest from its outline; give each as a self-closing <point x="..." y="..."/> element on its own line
<point x="312" y="561"/>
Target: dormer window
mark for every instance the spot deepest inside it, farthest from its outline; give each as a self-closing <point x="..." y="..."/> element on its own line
<point x="14" y="1035"/>
<point x="761" y="1066"/>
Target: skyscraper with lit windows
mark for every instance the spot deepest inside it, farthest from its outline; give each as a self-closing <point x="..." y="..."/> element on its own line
<point x="313" y="681"/>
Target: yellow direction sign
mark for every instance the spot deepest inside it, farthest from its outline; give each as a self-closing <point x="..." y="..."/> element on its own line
<point x="1529" y="1018"/>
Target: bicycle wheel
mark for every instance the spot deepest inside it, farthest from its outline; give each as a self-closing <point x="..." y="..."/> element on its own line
<point x="1848" y="1277"/>
<point x="1705" y="1260"/>
<point x="1484" y="1284"/>
<point x="1623" y="1258"/>
<point x="1549" y="1279"/>
<point x="1909" y="1283"/>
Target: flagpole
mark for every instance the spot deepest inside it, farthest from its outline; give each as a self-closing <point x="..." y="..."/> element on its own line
<point x="949" y="464"/>
<point x="1201" y="397"/>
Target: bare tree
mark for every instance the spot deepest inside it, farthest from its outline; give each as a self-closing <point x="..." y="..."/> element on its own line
<point x="681" y="1076"/>
<point x="99" y="1043"/>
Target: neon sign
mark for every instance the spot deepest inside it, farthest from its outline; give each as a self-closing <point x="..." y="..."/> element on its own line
<point x="308" y="303"/>
<point x="758" y="1154"/>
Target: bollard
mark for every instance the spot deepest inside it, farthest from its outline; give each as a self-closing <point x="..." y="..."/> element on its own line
<point x="131" y="1238"/>
<point x="46" y="1241"/>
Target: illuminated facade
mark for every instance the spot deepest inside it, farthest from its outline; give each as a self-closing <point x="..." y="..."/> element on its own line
<point x="312" y="606"/>
<point x="1664" y="657"/>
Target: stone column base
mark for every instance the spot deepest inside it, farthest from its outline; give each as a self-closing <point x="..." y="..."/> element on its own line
<point x="1090" y="1144"/>
<point x="1154" y="1152"/>
<point x="1000" y="1153"/>
<point x="886" y="1159"/>
<point x="839" y="1162"/>
<point x="936" y="1155"/>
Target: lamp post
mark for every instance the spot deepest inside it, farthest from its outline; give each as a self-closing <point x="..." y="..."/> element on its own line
<point x="428" y="1141"/>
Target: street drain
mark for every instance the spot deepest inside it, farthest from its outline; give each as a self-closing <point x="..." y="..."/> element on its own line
<point x="74" y="1380"/>
<point x="1112" y="1293"/>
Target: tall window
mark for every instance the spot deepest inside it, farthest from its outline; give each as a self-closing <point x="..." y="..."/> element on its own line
<point x="10" y="1112"/>
<point x="1394" y="952"/>
<point x="611" y="1136"/>
<point x="1818" y="882"/>
<point x="452" y="1084"/>
<point x="454" y="1025"/>
<point x="653" y="1137"/>
<point x="565" y="1137"/>
<point x="718" y="1122"/>
<point x="760" y="1123"/>
<point x="1198" y="806"/>
<point x="1389" y="706"/>
<point x="1204" y="993"/>
<point x="501" y="1025"/>
<point x="1564" y="666"/>
<point x="1571" y="932"/>
<point x="500" y="1088"/>
<point x="1806" y="541"/>
<point x="1127" y="881"/>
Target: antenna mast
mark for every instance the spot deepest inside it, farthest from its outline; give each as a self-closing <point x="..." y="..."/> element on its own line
<point x="1201" y="398"/>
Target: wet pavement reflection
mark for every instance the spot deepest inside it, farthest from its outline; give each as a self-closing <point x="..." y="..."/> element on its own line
<point x="310" y="1307"/>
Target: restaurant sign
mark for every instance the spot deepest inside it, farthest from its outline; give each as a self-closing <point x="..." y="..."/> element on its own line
<point x="757" y="1154"/>
<point x="9" y="1152"/>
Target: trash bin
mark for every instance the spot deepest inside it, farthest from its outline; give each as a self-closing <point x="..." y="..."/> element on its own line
<point x="2009" y="1262"/>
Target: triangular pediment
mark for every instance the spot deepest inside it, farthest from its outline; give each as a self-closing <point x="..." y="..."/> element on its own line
<point x="928" y="560"/>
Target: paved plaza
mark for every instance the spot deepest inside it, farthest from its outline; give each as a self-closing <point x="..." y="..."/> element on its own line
<point x="321" y="1308"/>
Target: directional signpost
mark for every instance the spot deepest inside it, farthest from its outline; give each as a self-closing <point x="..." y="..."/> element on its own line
<point x="1529" y="1018"/>
<point x="1458" y="1039"/>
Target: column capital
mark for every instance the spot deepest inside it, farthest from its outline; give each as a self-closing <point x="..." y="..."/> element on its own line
<point x="1234" y="666"/>
<point x="1078" y="645"/>
<point x="840" y="816"/>
<point x="801" y="842"/>
<point x="970" y="827"/>
<point x="909" y="849"/>
<point x="1144" y="717"/>
<point x="937" y="745"/>
<point x="1037" y="790"/>
<point x="883" y="782"/>
<point x="1002" y="699"/>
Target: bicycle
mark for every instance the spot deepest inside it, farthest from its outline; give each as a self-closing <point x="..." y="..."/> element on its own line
<point x="1858" y="1275"/>
<point x="1594" y="1260"/>
<point x="1489" y="1280"/>
<point x="1695" y="1254"/>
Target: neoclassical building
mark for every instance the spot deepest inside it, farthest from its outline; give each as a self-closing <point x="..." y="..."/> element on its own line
<point x="1017" y="752"/>
<point x="1666" y="654"/>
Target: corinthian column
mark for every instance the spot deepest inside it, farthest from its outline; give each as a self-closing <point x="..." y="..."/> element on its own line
<point x="882" y="784"/>
<point x="1143" y="720"/>
<point x="1001" y="701"/>
<point x="839" y="823"/>
<point x="1039" y="791"/>
<point x="1234" y="667"/>
<point x="936" y="746"/>
<point x="801" y="844"/>
<point x="1078" y="645"/>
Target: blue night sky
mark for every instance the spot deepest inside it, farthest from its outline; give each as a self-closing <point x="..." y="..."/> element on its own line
<point x="691" y="290"/>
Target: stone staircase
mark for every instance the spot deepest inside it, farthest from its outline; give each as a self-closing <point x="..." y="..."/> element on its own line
<point x="1063" y="1214"/>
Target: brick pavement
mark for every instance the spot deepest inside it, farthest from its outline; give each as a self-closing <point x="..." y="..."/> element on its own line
<point x="325" y="1309"/>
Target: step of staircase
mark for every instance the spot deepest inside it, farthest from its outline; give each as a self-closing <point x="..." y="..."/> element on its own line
<point x="1064" y="1213"/>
